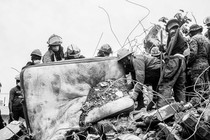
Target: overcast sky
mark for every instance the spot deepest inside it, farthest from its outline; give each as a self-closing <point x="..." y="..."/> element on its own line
<point x="26" y="25"/>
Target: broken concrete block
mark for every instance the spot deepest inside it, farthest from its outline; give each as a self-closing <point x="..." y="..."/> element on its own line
<point x="167" y="111"/>
<point x="170" y="132"/>
<point x="190" y="121"/>
<point x="161" y="114"/>
<point x="10" y="130"/>
<point x="112" y="108"/>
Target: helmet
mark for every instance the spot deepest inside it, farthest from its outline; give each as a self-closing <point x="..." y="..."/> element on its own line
<point x="106" y="48"/>
<point x="17" y="77"/>
<point x="122" y="53"/>
<point x="73" y="50"/>
<point x="36" y="52"/>
<point x="195" y="27"/>
<point x="155" y="51"/>
<point x="172" y="23"/>
<point x="54" y="40"/>
<point x="206" y="21"/>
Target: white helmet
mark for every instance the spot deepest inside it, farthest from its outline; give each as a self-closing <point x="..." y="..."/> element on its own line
<point x="206" y="21"/>
<point x="17" y="77"/>
<point x="54" y="40"/>
<point x="72" y="51"/>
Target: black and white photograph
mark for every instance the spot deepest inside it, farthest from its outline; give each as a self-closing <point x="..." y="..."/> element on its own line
<point x="105" y="70"/>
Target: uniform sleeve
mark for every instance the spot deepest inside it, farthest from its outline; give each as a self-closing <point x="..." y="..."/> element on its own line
<point x="139" y="67"/>
<point x="193" y="50"/>
<point x="46" y="58"/>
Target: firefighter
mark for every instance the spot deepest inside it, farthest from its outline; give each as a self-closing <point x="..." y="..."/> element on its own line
<point x="143" y="68"/>
<point x="207" y="23"/>
<point x="73" y="52"/>
<point x="55" y="50"/>
<point x="104" y="51"/>
<point x="172" y="79"/>
<point x="198" y="59"/>
<point x="36" y="57"/>
<point x="15" y="101"/>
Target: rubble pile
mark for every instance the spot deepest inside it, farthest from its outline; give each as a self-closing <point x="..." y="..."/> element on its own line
<point x="103" y="93"/>
<point x="175" y="121"/>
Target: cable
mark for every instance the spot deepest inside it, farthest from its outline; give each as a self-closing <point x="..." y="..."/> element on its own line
<point x="196" y="126"/>
<point x="139" y="21"/>
<point x="98" y="43"/>
<point x="194" y="17"/>
<point x="12" y="131"/>
<point x="111" y="25"/>
<point x="197" y="81"/>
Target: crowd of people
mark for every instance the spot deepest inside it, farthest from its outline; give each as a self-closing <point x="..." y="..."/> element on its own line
<point x="55" y="52"/>
<point x="173" y="75"/>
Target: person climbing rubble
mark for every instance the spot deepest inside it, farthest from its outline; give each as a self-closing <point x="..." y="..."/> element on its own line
<point x="172" y="79"/>
<point x="55" y="50"/>
<point x="73" y="52"/>
<point x="36" y="57"/>
<point x="198" y="59"/>
<point x="144" y="69"/>
<point x="104" y="51"/>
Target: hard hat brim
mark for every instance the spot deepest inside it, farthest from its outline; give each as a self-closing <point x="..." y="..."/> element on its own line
<point x="121" y="57"/>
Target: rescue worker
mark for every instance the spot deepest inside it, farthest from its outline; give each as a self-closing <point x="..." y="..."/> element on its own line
<point x="15" y="101"/>
<point x="198" y="59"/>
<point x="104" y="51"/>
<point x="36" y="57"/>
<point x="207" y="23"/>
<point x="73" y="52"/>
<point x="143" y="68"/>
<point x="55" y="50"/>
<point x="172" y="79"/>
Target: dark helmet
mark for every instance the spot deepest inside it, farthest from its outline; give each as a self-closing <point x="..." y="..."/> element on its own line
<point x="106" y="48"/>
<point x="195" y="27"/>
<point x="172" y="23"/>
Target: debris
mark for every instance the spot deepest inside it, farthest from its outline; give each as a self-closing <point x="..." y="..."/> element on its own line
<point x="112" y="108"/>
<point x="161" y="114"/>
<point x="11" y="130"/>
<point x="170" y="132"/>
<point x="199" y="128"/>
<point x="128" y="137"/>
